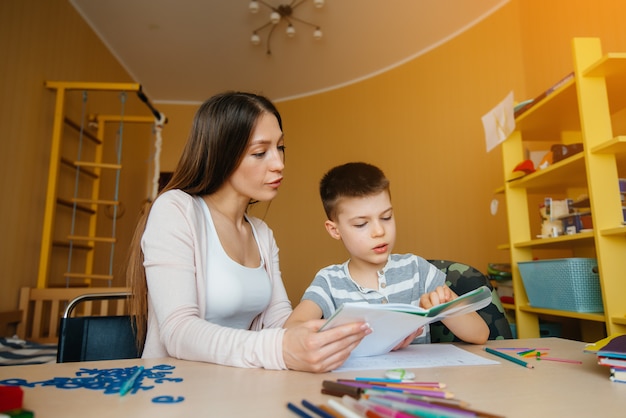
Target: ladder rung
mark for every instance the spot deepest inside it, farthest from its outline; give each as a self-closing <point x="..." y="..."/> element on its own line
<point x="97" y="239"/>
<point x="77" y="127"/>
<point x="70" y="204"/>
<point x="71" y="164"/>
<point x="75" y="246"/>
<point x="97" y="165"/>
<point x="89" y="276"/>
<point x="95" y="202"/>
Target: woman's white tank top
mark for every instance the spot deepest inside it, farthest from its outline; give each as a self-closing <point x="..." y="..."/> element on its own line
<point x="236" y="294"/>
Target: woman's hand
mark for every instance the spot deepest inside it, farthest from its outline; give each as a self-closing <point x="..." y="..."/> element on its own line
<point x="306" y="349"/>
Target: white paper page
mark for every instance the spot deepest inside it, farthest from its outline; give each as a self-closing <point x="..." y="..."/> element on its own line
<point x="417" y="356"/>
<point x="499" y="122"/>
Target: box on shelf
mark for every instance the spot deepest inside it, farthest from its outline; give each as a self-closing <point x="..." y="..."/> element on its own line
<point x="576" y="222"/>
<point x="622" y="185"/>
<point x="567" y="284"/>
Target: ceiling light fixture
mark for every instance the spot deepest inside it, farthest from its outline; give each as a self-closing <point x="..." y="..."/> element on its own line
<point x="283" y="12"/>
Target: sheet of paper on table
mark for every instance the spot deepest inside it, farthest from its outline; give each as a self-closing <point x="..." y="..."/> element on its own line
<point x="417" y="356"/>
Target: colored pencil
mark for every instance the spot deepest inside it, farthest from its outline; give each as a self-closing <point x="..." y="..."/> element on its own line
<point x="398" y="381"/>
<point x="562" y="360"/>
<point x="316" y="409"/>
<point x="509" y="358"/>
<point x="298" y="411"/>
<point x="425" y="398"/>
<point x="128" y="385"/>
<point x="427" y="392"/>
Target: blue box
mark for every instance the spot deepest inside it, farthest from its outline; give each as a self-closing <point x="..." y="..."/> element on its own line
<point x="576" y="222"/>
<point x="567" y="284"/>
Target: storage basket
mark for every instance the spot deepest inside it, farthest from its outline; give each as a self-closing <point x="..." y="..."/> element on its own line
<point x="568" y="284"/>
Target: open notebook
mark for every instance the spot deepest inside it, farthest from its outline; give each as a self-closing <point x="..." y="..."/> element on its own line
<point x="392" y="322"/>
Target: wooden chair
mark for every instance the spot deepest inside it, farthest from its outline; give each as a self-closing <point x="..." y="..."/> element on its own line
<point x="8" y="322"/>
<point x="43" y="308"/>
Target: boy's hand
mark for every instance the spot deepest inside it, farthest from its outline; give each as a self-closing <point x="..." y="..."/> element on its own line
<point x="408" y="340"/>
<point x="438" y="296"/>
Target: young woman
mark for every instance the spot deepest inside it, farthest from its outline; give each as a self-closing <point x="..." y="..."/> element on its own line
<point x="205" y="276"/>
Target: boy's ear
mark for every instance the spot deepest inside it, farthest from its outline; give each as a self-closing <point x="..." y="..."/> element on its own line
<point x="332" y="230"/>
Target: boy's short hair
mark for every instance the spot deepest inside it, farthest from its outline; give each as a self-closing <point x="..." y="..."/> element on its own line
<point x="350" y="180"/>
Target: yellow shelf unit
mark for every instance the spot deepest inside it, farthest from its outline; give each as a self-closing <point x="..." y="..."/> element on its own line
<point x="583" y="109"/>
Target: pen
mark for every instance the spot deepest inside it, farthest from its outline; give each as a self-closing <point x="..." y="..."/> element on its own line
<point x="297" y="410"/>
<point x="360" y="407"/>
<point x="509" y="358"/>
<point x="338" y="389"/>
<point x="386" y="411"/>
<point x="319" y="411"/>
<point x="128" y="385"/>
<point x="421" y="408"/>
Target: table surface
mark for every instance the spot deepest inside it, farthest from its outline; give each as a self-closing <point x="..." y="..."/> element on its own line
<point x="551" y="389"/>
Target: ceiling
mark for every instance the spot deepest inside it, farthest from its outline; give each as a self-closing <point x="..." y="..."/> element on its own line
<point x="183" y="51"/>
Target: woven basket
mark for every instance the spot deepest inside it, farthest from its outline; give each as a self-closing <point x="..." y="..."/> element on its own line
<point x="568" y="284"/>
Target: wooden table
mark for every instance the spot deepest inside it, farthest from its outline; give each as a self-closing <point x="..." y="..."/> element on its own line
<point x="551" y="389"/>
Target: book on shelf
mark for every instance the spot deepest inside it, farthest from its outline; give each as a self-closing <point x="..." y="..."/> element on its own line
<point x="527" y="104"/>
<point x="393" y="322"/>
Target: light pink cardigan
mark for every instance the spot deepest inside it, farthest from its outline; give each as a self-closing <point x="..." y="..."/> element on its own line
<point x="175" y="258"/>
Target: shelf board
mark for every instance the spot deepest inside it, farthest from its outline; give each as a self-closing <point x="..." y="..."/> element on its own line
<point x="509" y="306"/>
<point x="566" y="173"/>
<point x="560" y="241"/>
<point x="615" y="145"/>
<point x="613" y="231"/>
<point x="612" y="67"/>
<point x="555" y="113"/>
<point x="503" y="247"/>
<point x="619" y="320"/>
<point x="589" y="316"/>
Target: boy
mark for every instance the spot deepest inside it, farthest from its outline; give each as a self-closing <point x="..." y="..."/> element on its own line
<point x="357" y="202"/>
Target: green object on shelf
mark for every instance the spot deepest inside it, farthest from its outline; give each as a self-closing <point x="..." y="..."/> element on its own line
<point x="499" y="271"/>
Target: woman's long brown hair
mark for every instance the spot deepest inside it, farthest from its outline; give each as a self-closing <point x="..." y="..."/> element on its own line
<point x="219" y="135"/>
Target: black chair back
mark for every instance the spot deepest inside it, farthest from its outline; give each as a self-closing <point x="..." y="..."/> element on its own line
<point x="90" y="338"/>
